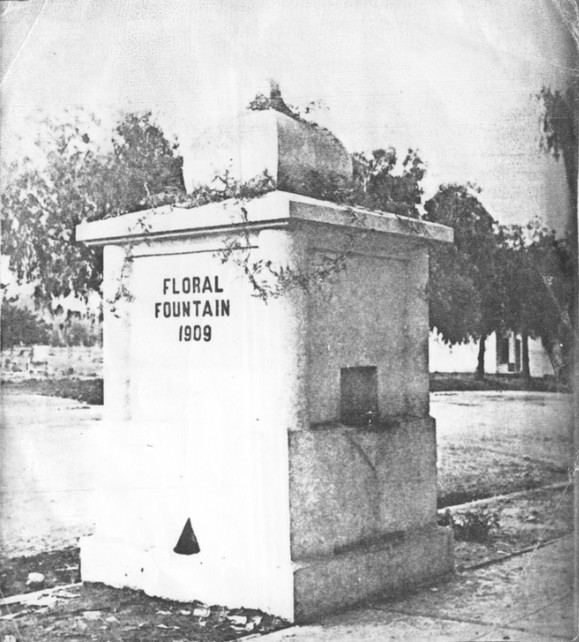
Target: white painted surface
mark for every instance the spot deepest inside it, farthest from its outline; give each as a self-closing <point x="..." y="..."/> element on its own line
<point x="200" y="427"/>
<point x="277" y="206"/>
<point x="464" y="357"/>
<point x="461" y="357"/>
<point x="259" y="141"/>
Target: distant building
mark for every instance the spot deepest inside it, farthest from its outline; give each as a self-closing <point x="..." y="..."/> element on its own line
<point x="503" y="355"/>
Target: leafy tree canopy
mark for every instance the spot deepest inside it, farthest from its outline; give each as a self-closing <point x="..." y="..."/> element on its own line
<point x="559" y="131"/>
<point x="78" y="179"/>
<point x="379" y="183"/>
<point x="20" y="326"/>
<point x="465" y="284"/>
<point x="538" y="273"/>
<point x="559" y="137"/>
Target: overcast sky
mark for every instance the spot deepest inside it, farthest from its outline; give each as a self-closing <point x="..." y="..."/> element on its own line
<point x="453" y="78"/>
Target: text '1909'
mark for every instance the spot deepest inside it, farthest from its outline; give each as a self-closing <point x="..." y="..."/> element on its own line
<point x="194" y="333"/>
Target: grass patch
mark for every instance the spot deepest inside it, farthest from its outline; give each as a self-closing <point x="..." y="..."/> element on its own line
<point x="88" y="391"/>
<point x="470" y="472"/>
<point x="472" y="525"/>
<point x="450" y="382"/>
<point x="521" y="522"/>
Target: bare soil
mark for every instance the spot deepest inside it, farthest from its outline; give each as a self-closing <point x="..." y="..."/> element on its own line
<point x="100" y="613"/>
<point x="58" y="567"/>
<point x="523" y="523"/>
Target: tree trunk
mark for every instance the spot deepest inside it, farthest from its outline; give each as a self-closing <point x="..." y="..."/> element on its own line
<point x="526" y="364"/>
<point x="554" y="353"/>
<point x="480" y="368"/>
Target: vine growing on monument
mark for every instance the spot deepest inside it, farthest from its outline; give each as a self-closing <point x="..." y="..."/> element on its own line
<point x="268" y="279"/>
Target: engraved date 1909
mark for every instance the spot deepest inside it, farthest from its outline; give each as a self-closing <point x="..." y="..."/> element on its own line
<point x="194" y="333"/>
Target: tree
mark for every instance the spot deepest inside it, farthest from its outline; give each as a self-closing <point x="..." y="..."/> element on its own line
<point x="559" y="130"/>
<point x="523" y="289"/>
<point x="77" y="179"/>
<point x="147" y="166"/>
<point x="379" y="187"/>
<point x="466" y="288"/>
<point x="538" y="273"/>
<point x="20" y="326"/>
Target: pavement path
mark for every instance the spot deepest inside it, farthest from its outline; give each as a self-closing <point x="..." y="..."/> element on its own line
<point x="527" y="598"/>
<point x="47" y="471"/>
<point x="538" y="425"/>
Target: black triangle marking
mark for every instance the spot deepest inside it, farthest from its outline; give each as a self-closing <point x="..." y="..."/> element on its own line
<point x="187" y="544"/>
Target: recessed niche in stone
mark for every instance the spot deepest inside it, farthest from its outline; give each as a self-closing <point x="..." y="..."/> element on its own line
<point x="359" y="395"/>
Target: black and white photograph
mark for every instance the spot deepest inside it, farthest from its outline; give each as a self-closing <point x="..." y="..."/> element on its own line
<point x="288" y="320"/>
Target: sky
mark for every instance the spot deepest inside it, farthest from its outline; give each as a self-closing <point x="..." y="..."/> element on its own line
<point x="455" y="79"/>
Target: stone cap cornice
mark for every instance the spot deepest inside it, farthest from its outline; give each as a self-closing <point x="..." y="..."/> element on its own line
<point x="272" y="210"/>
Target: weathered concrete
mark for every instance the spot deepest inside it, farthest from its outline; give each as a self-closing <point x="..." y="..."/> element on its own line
<point x="388" y="565"/>
<point x="349" y="486"/>
<point x="527" y="598"/>
<point x="288" y="149"/>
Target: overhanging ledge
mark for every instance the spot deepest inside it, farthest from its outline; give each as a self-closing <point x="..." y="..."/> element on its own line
<point x="274" y="208"/>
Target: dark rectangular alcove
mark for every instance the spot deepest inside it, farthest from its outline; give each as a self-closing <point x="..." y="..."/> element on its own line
<point x="359" y="395"/>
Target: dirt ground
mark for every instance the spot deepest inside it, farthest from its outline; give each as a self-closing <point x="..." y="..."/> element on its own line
<point x="98" y="613"/>
<point x="523" y="522"/>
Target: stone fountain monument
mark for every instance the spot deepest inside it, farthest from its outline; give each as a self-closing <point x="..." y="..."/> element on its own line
<point x="267" y="440"/>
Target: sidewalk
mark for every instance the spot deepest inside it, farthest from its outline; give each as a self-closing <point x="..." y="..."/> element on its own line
<point x="527" y="597"/>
